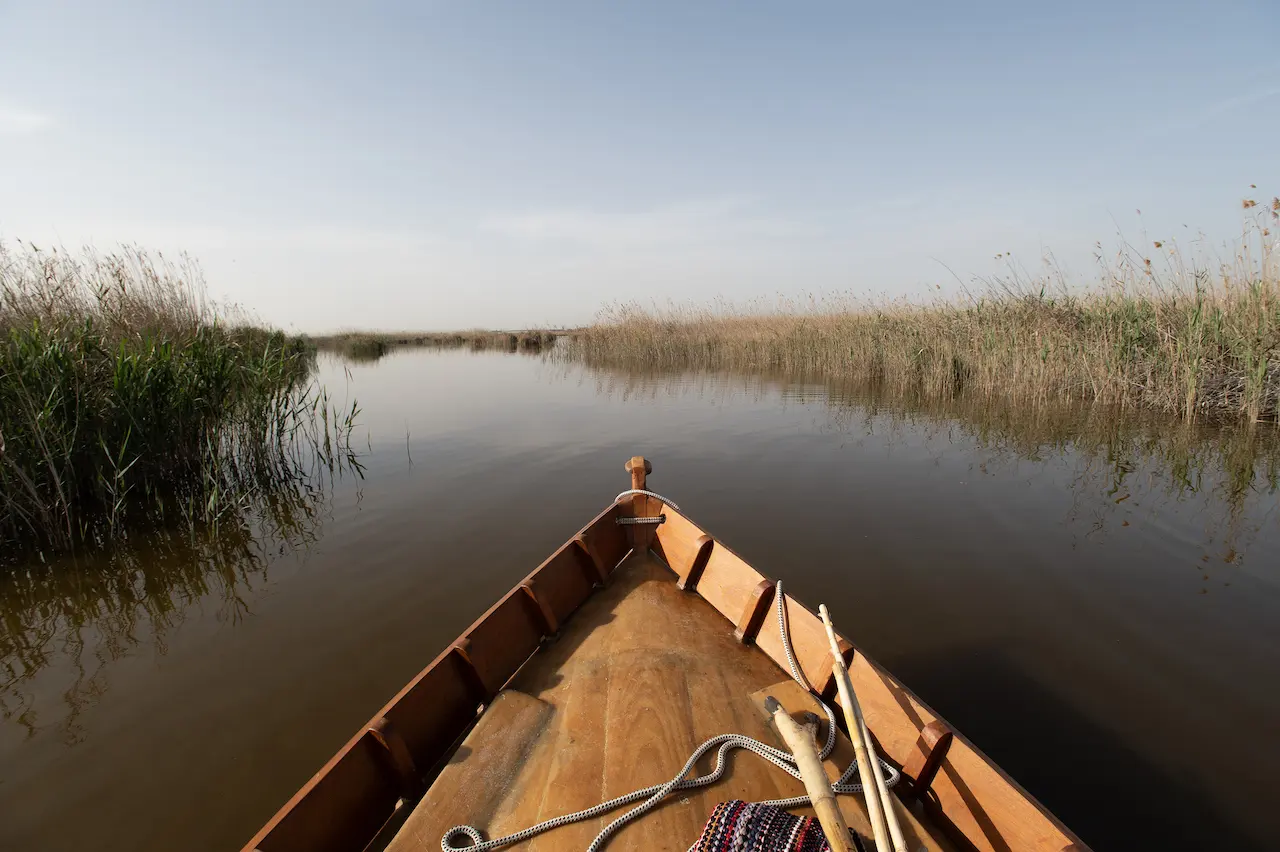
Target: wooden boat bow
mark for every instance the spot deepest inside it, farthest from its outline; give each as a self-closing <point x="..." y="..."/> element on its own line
<point x="660" y="641"/>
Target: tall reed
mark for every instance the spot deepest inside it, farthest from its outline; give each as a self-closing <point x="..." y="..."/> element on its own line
<point x="127" y="398"/>
<point x="1162" y="329"/>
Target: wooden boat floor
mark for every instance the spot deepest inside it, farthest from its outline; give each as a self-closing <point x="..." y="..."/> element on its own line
<point x="639" y="677"/>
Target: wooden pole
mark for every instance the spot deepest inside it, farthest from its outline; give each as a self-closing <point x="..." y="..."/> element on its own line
<point x="812" y="773"/>
<point x="879" y="805"/>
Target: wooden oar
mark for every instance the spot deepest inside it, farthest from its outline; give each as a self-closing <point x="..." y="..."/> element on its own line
<point x="879" y="806"/>
<point x="816" y="783"/>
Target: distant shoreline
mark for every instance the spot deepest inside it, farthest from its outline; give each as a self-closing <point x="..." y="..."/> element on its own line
<point x="368" y="345"/>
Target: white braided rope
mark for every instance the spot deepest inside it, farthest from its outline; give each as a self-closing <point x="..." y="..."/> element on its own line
<point x="631" y="492"/>
<point x="652" y="796"/>
<point x="784" y="629"/>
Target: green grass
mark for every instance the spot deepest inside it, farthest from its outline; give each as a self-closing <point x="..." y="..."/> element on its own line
<point x="128" y="400"/>
<point x="1161" y="330"/>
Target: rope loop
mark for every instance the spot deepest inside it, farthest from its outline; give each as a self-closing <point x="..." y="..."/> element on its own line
<point x="446" y="842"/>
<point x="640" y="491"/>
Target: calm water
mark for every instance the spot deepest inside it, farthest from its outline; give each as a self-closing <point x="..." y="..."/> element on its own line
<point x="1094" y="602"/>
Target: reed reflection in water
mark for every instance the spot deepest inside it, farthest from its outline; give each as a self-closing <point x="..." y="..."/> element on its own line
<point x="1226" y="472"/>
<point x="79" y="614"/>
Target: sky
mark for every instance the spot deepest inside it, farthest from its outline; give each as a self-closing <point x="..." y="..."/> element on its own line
<point x="447" y="165"/>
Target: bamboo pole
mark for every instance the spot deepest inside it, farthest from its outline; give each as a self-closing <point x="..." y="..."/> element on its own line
<point x="879" y="805"/>
<point x="813" y="774"/>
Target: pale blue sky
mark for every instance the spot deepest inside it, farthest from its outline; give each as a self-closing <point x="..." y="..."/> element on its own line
<point x="440" y="165"/>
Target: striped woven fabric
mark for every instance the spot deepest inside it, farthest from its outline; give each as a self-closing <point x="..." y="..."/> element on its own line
<point x="742" y="827"/>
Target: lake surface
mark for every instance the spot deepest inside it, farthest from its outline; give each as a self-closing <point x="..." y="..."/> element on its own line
<point x="1092" y="599"/>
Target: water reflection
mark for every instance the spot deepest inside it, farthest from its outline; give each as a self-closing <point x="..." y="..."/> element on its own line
<point x="79" y="614"/>
<point x="1115" y="460"/>
<point x="82" y="613"/>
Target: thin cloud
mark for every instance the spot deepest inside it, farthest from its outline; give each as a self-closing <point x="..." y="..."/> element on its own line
<point x="1238" y="101"/>
<point x="1249" y="95"/>
<point x="683" y="222"/>
<point x="198" y="237"/>
<point x="18" y="121"/>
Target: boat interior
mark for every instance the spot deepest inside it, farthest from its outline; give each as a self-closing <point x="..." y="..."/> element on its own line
<point x="618" y="702"/>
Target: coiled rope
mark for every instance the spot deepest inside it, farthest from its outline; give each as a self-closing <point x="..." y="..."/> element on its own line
<point x="650" y="797"/>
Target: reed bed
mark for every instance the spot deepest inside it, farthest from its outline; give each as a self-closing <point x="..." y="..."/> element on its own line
<point x="366" y="345"/>
<point x="1176" y="331"/>
<point x="128" y="399"/>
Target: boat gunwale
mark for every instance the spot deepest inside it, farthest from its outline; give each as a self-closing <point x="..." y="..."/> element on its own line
<point x="828" y="692"/>
<point x="580" y="547"/>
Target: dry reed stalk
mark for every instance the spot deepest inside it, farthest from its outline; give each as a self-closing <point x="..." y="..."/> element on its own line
<point x="1181" y="335"/>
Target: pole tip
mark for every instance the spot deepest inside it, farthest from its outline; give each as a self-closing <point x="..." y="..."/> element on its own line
<point x="772" y="704"/>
